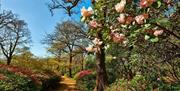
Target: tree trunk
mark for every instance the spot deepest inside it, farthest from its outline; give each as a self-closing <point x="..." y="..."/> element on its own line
<point x="70" y="64"/>
<point x="101" y="78"/>
<point x="9" y="60"/>
<point x="82" y="64"/>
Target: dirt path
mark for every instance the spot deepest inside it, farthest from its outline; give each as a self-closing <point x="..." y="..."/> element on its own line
<point x="67" y="84"/>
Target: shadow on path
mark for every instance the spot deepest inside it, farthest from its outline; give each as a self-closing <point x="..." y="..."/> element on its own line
<point x="67" y="84"/>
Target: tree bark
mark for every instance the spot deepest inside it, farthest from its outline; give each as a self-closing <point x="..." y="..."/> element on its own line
<point x="101" y="77"/>
<point x="9" y="60"/>
<point x="70" y="64"/>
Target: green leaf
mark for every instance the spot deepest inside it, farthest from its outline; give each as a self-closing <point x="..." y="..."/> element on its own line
<point x="146" y="37"/>
<point x="159" y="4"/>
<point x="124" y="26"/>
<point x="156" y="39"/>
<point x="163" y="20"/>
<point x="147" y="25"/>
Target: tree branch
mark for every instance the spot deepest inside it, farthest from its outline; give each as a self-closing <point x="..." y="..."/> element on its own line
<point x="168" y="31"/>
<point x="57" y="5"/>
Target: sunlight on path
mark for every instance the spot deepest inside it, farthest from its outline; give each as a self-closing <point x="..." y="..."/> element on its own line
<point x="67" y="84"/>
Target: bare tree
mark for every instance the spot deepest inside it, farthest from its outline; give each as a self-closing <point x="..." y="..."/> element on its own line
<point x="6" y="17"/>
<point x="13" y="34"/>
<point x="67" y="5"/>
<point x="67" y="38"/>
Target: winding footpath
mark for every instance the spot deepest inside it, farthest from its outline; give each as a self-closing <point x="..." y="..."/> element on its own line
<point x="67" y="84"/>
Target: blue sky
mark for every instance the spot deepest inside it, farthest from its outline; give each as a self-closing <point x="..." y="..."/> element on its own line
<point x="38" y="18"/>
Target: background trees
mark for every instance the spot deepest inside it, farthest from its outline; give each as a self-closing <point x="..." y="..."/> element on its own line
<point x="13" y="34"/>
<point x="69" y="38"/>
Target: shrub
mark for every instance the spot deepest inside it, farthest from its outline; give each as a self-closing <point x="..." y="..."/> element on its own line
<point x="50" y="84"/>
<point x="13" y="82"/>
<point x="87" y="83"/>
<point x="140" y="83"/>
<point x="83" y="73"/>
<point x="14" y="78"/>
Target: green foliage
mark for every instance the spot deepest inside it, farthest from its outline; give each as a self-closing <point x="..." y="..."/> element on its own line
<point x="13" y="82"/>
<point x="112" y="72"/>
<point x="51" y="83"/>
<point x="154" y="39"/>
<point x="140" y="83"/>
<point x="87" y="83"/>
<point x="90" y="62"/>
<point x="14" y="78"/>
<point x="38" y="64"/>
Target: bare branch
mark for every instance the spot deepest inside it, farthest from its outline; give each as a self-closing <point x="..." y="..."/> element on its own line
<point x="64" y="4"/>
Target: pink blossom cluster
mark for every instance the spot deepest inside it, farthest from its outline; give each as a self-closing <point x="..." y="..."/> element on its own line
<point x="25" y="72"/>
<point x="158" y="32"/>
<point x="120" y="6"/>
<point x="94" y="48"/>
<point x="83" y="73"/>
<point x="118" y="38"/>
<point x="140" y="18"/>
<point x="2" y="77"/>
<point x="94" y="24"/>
<point x="97" y="41"/>
<point x="155" y="32"/>
<point x="146" y="3"/>
<point x="122" y="19"/>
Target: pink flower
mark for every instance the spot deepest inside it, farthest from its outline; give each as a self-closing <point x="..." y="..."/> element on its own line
<point x="87" y="12"/>
<point x="158" y="79"/>
<point x="121" y="18"/>
<point x="118" y="38"/>
<point x="158" y="32"/>
<point x="146" y="3"/>
<point x="97" y="41"/>
<point x="111" y="27"/>
<point x="140" y="19"/>
<point x="94" y="24"/>
<point x="120" y="6"/>
<point x="129" y="19"/>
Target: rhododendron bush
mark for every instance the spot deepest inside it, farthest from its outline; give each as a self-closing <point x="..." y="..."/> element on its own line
<point x="18" y="78"/>
<point x="83" y="73"/>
